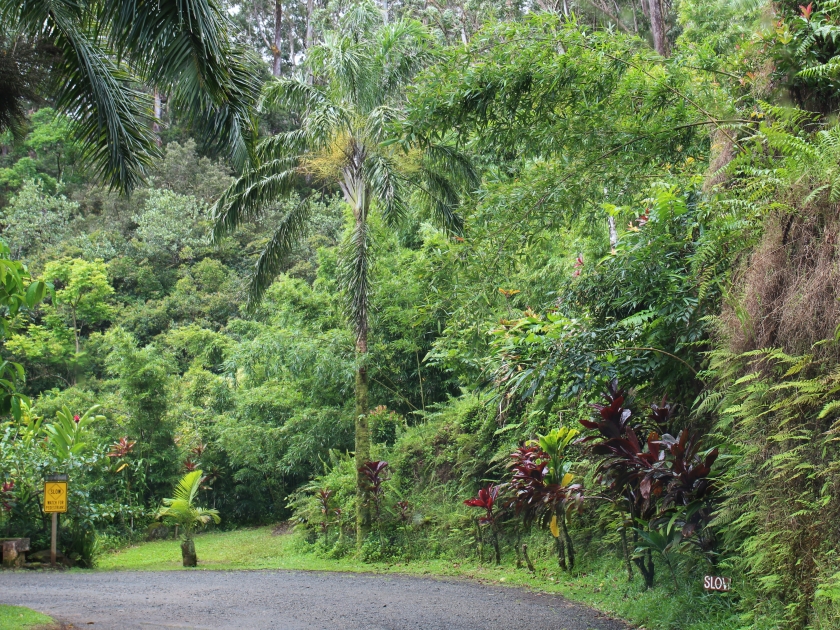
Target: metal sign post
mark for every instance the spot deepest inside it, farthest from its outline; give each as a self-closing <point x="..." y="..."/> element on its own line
<point x="55" y="503"/>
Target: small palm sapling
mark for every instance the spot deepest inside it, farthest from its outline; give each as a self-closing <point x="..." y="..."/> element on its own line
<point x="181" y="511"/>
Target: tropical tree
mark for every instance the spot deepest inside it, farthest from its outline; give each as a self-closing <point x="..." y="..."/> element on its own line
<point x="81" y="293"/>
<point x="347" y="116"/>
<point x="69" y="436"/>
<point x="17" y="294"/>
<point x="181" y="510"/>
<point x="93" y="54"/>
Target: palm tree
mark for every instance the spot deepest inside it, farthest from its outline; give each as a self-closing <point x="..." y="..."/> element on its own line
<point x="347" y="106"/>
<point x="92" y="54"/>
<point x="180" y="511"/>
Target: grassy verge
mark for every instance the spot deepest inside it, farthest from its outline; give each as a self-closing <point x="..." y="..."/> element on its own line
<point x="597" y="585"/>
<point x="20" y="618"/>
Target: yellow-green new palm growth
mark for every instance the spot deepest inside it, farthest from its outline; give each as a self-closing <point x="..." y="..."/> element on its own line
<point x="181" y="509"/>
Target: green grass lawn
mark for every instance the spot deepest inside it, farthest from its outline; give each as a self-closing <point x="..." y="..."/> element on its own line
<point x="241" y="549"/>
<point x="19" y="618"/>
<point x="604" y="586"/>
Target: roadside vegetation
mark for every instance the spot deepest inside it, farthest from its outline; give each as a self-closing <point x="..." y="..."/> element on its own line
<point x="600" y="585"/>
<point x="20" y="618"/>
<point x="544" y="292"/>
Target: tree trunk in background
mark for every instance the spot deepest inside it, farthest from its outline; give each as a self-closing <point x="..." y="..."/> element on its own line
<point x="657" y="27"/>
<point x="292" y="63"/>
<point x="310" y="7"/>
<point x="385" y="10"/>
<point x="156" y="123"/>
<point x="277" y="67"/>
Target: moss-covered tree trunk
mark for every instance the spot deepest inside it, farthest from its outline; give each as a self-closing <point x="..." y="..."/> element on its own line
<point x="362" y="441"/>
<point x="188" y="555"/>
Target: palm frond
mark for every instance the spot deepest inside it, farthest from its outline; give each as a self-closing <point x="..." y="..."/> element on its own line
<point x="245" y="199"/>
<point x="386" y="186"/>
<point x="162" y="31"/>
<point x="291" y="229"/>
<point x="379" y="120"/>
<point x="362" y="17"/>
<point x="284" y="145"/>
<point x="105" y="48"/>
<point x="356" y="262"/>
<point x="293" y="93"/>
<point x="322" y="115"/>
<point x="441" y="199"/>
<point x="446" y="158"/>
<point x="180" y="507"/>
<point x="344" y="60"/>
<point x="185" y="46"/>
<point x="187" y="487"/>
<point x="205" y="515"/>
<point x="405" y="49"/>
<point x="219" y="109"/>
<point x="112" y="120"/>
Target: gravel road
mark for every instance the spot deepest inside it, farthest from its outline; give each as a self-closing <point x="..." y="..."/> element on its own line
<point x="293" y="600"/>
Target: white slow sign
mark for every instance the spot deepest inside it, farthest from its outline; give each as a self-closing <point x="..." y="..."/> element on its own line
<point x="712" y="583"/>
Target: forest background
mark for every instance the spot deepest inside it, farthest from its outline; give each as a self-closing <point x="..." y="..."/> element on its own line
<point x="646" y="205"/>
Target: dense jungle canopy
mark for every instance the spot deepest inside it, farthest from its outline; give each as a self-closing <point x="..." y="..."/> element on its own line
<point x="431" y="279"/>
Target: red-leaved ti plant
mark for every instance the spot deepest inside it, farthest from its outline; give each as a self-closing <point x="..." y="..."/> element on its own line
<point x="328" y="512"/>
<point x="541" y="495"/>
<point x="486" y="500"/>
<point x="6" y="495"/>
<point x="375" y="474"/>
<point x="654" y="477"/>
<point x="403" y="511"/>
<point x="121" y="448"/>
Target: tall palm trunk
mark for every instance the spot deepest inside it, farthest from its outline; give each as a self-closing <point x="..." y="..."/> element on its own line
<point x="356" y="194"/>
<point x="362" y="439"/>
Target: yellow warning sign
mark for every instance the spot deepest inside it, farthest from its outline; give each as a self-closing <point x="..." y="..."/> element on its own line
<point x="55" y="496"/>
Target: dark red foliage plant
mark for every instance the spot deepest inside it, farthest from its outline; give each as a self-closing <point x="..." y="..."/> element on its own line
<point x="6" y="495"/>
<point x="121" y="448"/>
<point x="375" y="475"/>
<point x="486" y="500"/>
<point x="537" y="496"/>
<point x="329" y="514"/>
<point x="652" y="476"/>
<point x="403" y="511"/>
